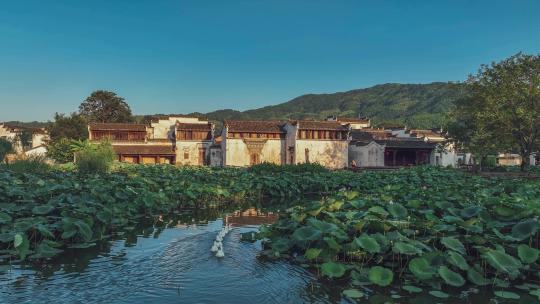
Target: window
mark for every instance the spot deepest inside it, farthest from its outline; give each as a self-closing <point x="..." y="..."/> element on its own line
<point x="186" y="154"/>
<point x="307" y="155"/>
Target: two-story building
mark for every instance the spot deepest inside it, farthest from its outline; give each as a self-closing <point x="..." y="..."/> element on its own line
<point x="246" y="143"/>
<point x="322" y="142"/>
<point x="174" y="139"/>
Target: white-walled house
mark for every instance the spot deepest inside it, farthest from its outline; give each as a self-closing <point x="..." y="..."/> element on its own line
<point x="39" y="137"/>
<point x="173" y="139"/>
<point x="246" y="143"/>
<point x="382" y="148"/>
<point x="354" y="123"/>
<point x="193" y="141"/>
<point x="322" y="142"/>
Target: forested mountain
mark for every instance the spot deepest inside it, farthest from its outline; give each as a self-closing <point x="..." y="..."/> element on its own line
<point x="415" y="105"/>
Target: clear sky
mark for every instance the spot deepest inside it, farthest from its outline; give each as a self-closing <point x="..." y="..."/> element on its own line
<point x="185" y="56"/>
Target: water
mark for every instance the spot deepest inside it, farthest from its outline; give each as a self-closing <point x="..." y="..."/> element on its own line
<point x="169" y="261"/>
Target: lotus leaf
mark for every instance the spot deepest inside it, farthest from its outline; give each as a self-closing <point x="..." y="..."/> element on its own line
<point x="507" y="295"/>
<point x="406" y="248"/>
<point x="421" y="268"/>
<point x="502" y="262"/>
<point x="367" y="243"/>
<point x="380" y="276"/>
<point x="307" y="233"/>
<point x="527" y="254"/>
<point x="451" y="277"/>
<point x="525" y="229"/>
<point x="397" y="210"/>
<point x="453" y="244"/>
<point x="457" y="260"/>
<point x="333" y="270"/>
<point x="353" y="293"/>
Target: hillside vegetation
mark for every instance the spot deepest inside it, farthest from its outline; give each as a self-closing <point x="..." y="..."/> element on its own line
<point x="415" y="105"/>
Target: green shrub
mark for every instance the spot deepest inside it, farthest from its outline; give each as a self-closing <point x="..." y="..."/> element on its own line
<point x="6" y="147"/>
<point x="61" y="150"/>
<point x="34" y="165"/>
<point x="95" y="158"/>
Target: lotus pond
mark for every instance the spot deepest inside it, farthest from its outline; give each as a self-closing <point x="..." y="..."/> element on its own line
<point x="142" y="234"/>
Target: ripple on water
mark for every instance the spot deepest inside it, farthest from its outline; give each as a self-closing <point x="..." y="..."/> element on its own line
<point x="176" y="267"/>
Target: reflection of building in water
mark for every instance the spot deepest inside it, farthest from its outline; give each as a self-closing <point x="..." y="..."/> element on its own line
<point x="250" y="217"/>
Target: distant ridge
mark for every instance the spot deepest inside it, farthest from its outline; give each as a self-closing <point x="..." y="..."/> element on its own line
<point x="414" y="105"/>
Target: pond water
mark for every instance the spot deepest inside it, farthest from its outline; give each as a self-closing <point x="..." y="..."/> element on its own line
<point x="169" y="261"/>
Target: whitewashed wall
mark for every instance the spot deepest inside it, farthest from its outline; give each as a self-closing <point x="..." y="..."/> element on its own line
<point x="370" y="155"/>
<point x="329" y="153"/>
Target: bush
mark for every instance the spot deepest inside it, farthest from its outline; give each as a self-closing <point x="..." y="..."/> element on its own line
<point x="94" y="159"/>
<point x="34" y="165"/>
<point x="6" y="147"/>
<point x="61" y="150"/>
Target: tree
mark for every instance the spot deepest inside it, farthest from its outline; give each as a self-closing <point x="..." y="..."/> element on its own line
<point x="105" y="106"/>
<point x="6" y="147"/>
<point x="24" y="138"/>
<point x="71" y="127"/>
<point x="501" y="111"/>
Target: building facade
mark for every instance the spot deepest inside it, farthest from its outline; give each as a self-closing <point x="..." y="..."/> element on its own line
<point x="247" y="143"/>
<point x="165" y="140"/>
<point x="321" y="142"/>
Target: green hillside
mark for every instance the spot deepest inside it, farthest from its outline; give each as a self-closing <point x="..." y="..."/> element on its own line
<point x="416" y="105"/>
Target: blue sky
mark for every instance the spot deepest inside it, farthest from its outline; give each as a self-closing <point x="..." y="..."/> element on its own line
<point x="185" y="56"/>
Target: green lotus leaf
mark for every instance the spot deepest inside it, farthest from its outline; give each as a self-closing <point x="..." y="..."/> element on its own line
<point x="457" y="260"/>
<point x="527" y="254"/>
<point x="397" y="210"/>
<point x="5" y="218"/>
<point x="84" y="230"/>
<point x="453" y="244"/>
<point x="471" y="211"/>
<point x="378" y="210"/>
<point x="502" y="262"/>
<point x="380" y="276"/>
<point x="43" y="250"/>
<point x="507" y="294"/>
<point x="280" y="245"/>
<point x="312" y="253"/>
<point x="439" y="294"/>
<point x="536" y="293"/>
<point x="322" y="226"/>
<point x="307" y="234"/>
<point x="525" y="229"/>
<point x="333" y="270"/>
<point x="406" y="248"/>
<point x="450" y="277"/>
<point x="367" y="243"/>
<point x="43" y="209"/>
<point x="411" y="289"/>
<point x="353" y="293"/>
<point x="476" y="278"/>
<point x="21" y="244"/>
<point x="421" y="268"/>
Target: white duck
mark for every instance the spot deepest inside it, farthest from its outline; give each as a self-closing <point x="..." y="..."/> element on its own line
<point x="219" y="253"/>
<point x="215" y="246"/>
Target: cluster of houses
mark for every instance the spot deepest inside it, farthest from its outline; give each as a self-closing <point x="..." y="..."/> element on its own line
<point x="334" y="143"/>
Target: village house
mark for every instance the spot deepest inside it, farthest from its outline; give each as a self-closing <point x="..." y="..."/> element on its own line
<point x="354" y="123"/>
<point x="381" y="148"/>
<point x="36" y="146"/>
<point x="246" y="143"/>
<point x="322" y="142"/>
<point x="173" y="139"/>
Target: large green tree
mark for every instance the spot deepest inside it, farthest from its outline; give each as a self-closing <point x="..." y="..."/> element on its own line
<point x="105" y="106"/>
<point x="74" y="126"/>
<point x="501" y="111"/>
